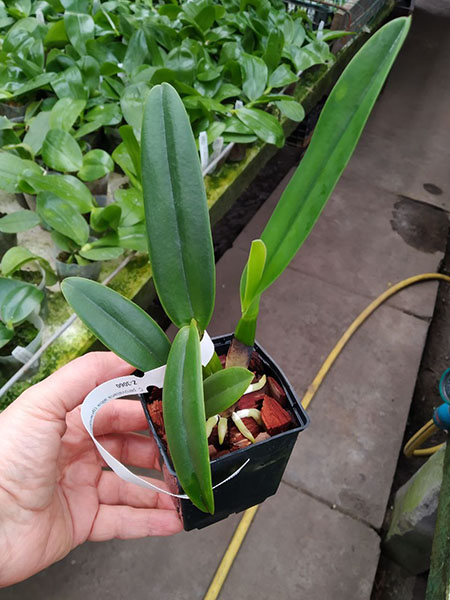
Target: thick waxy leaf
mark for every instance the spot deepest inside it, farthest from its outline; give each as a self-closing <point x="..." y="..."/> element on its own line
<point x="101" y="253"/>
<point x="255" y="268"/>
<point x="120" y="324"/>
<point x="65" y="112"/>
<point x="61" y="152"/>
<point x="103" y="218"/>
<point x="62" y="216"/>
<point x="67" y="187"/>
<point x="79" y="29"/>
<point x="274" y="49"/>
<point x="34" y="83"/>
<point x="254" y="76"/>
<point x="90" y="71"/>
<point x="19" y="221"/>
<point x="185" y="419"/>
<point x="69" y="84"/>
<point x="17" y="257"/>
<point x="132" y="105"/>
<point x="177" y="219"/>
<point x="291" y="109"/>
<point x="263" y="124"/>
<point x="19" y="303"/>
<point x="132" y="205"/>
<point x="282" y="76"/>
<point x="224" y="388"/>
<point x="315" y="53"/>
<point x="132" y="146"/>
<point x="96" y="164"/>
<point x="37" y="130"/>
<point x="11" y="169"/>
<point x="335" y="137"/>
<point x="133" y="237"/>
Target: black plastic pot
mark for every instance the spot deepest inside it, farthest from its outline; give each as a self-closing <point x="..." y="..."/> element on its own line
<point x="259" y="479"/>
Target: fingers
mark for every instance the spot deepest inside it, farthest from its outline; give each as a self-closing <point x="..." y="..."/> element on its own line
<point x="66" y="388"/>
<point x="126" y="522"/>
<point x="113" y="490"/>
<point x="120" y="415"/>
<point x="132" y="449"/>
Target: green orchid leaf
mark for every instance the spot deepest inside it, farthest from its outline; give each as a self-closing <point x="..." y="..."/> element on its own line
<point x="133" y="237"/>
<point x="291" y="109"/>
<point x="177" y="220"/>
<point x="315" y="53"/>
<point x="65" y="112"/>
<point x="263" y="124"/>
<point x="274" y="49"/>
<point x="62" y="217"/>
<point x="227" y="90"/>
<point x="63" y="242"/>
<point x="282" y="76"/>
<point x="132" y="204"/>
<point x="56" y="36"/>
<point x="185" y="418"/>
<point x="69" y="84"/>
<point x="6" y="335"/>
<point x="5" y="123"/>
<point x="224" y="388"/>
<point x="239" y="138"/>
<point x="137" y="51"/>
<point x="17" y="257"/>
<point x="34" y="83"/>
<point x="96" y="164"/>
<point x="103" y="218"/>
<point x="18" y="304"/>
<point x="38" y="128"/>
<point x="19" y="221"/>
<point x="254" y="271"/>
<point x="90" y="72"/>
<point x="132" y="146"/>
<point x="254" y="76"/>
<point x="119" y="324"/>
<point x="79" y="29"/>
<point x="11" y="170"/>
<point x="336" y="134"/>
<point x="132" y="105"/>
<point x="67" y="187"/>
<point x="122" y="157"/>
<point x="61" y="152"/>
<point x="101" y="253"/>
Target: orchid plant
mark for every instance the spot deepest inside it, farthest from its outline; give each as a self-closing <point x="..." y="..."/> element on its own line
<point x="181" y="254"/>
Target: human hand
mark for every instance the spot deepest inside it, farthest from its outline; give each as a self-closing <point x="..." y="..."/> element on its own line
<point x="54" y="494"/>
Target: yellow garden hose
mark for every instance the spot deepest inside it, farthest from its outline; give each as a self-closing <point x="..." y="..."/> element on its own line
<point x="411" y="448"/>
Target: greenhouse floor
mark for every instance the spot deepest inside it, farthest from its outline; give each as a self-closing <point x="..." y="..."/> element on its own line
<point x="318" y="537"/>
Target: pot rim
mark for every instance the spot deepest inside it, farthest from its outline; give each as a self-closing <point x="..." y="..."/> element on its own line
<point x="300" y="414"/>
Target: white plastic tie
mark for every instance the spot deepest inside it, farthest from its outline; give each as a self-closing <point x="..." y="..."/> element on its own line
<point x="203" y="148"/>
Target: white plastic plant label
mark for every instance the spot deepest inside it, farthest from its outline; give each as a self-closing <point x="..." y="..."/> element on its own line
<point x="130" y="385"/>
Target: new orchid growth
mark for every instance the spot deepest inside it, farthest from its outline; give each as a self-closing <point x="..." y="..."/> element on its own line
<point x="195" y="400"/>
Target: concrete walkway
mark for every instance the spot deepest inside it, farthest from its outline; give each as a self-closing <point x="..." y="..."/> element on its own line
<point x="317" y="538"/>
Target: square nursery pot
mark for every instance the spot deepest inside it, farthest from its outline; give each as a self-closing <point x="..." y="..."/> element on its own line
<point x="259" y="479"/>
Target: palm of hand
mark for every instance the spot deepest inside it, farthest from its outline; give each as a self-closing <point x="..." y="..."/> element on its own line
<point x="54" y="492"/>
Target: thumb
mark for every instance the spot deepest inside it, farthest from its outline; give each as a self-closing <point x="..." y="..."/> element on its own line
<point x="67" y="387"/>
